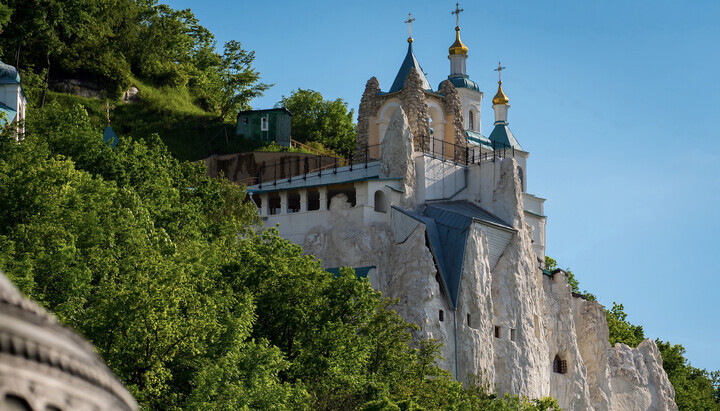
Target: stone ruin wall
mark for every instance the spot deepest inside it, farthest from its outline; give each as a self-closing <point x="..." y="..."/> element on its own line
<point x="414" y="102"/>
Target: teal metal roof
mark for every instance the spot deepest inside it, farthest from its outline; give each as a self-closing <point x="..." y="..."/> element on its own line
<point x="446" y="228"/>
<point x="9" y="74"/>
<point x="502" y="135"/>
<point x="476" y="138"/>
<point x="360" y="272"/>
<point x="110" y="137"/>
<point x="9" y="112"/>
<point x="409" y="62"/>
<point x="462" y="81"/>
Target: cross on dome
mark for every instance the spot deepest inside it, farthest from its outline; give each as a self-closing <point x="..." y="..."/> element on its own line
<point x="457" y="12"/>
<point x="499" y="70"/>
<point x="409" y="23"/>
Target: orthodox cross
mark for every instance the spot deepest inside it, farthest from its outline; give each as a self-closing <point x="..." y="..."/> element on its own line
<point x="457" y="12"/>
<point x="499" y="70"/>
<point x="108" y="107"/>
<point x="409" y="23"/>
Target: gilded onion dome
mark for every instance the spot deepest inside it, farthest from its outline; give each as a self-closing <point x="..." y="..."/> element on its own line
<point x="500" y="97"/>
<point x="458" y="47"/>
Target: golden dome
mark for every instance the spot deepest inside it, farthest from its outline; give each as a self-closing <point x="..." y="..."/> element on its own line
<point x="500" y="97"/>
<point x="458" y="47"/>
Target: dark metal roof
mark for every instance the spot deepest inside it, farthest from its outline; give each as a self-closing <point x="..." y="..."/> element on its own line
<point x="110" y="137"/>
<point x="9" y="74"/>
<point x="446" y="228"/>
<point x="360" y="272"/>
<point x="409" y="62"/>
<point x="476" y="138"/>
<point x="501" y="134"/>
<point x="10" y="114"/>
<point x="265" y="111"/>
<point x="461" y="213"/>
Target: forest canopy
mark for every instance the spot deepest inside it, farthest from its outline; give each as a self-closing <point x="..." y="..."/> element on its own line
<point x="107" y="44"/>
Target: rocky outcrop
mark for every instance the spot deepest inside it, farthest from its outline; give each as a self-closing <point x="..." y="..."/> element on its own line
<point x="413" y="101"/>
<point x="369" y="105"/>
<point x="511" y="322"/>
<point x="638" y="381"/>
<point x="397" y="159"/>
<point x="452" y="106"/>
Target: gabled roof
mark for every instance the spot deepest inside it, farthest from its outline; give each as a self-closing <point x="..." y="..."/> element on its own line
<point x="446" y="228"/>
<point x="502" y="135"/>
<point x="409" y="62"/>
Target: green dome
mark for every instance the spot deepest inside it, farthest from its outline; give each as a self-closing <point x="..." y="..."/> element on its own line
<point x="463" y="81"/>
<point x="9" y="74"/>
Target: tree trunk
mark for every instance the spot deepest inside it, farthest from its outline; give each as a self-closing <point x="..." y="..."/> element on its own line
<point x="47" y="79"/>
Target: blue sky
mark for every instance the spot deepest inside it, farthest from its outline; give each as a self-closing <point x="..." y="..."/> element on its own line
<point x="616" y="101"/>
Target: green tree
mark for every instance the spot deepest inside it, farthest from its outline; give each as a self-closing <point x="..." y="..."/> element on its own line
<point x="621" y="330"/>
<point x="695" y="389"/>
<point x="325" y="121"/>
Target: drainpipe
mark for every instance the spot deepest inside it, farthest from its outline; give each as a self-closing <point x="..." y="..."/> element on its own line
<point x="456" y="351"/>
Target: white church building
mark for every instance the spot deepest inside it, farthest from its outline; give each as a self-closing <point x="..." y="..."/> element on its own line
<point x="12" y="98"/>
<point x="438" y="215"/>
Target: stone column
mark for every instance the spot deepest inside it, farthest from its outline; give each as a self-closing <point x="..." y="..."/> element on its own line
<point x="323" y="198"/>
<point x="303" y="200"/>
<point x="264" y="205"/>
<point x="361" y="193"/>
<point x="283" y="202"/>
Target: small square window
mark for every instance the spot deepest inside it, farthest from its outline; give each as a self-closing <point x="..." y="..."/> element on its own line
<point x="512" y="334"/>
<point x="497" y="331"/>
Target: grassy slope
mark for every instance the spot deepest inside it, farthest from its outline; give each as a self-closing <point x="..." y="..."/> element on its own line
<point x="189" y="132"/>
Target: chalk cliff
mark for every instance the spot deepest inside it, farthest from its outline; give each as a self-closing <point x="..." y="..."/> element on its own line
<point x="513" y="329"/>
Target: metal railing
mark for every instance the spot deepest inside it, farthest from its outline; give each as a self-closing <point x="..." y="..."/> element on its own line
<point x="316" y="164"/>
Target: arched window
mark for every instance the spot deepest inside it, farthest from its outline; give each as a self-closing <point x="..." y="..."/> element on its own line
<point x="470" y="120"/>
<point x="522" y="179"/>
<point x="381" y="205"/>
<point x="559" y="365"/>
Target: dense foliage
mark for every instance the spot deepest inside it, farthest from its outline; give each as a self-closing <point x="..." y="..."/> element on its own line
<point x="192" y="304"/>
<point x="695" y="388"/>
<point x="111" y="42"/>
<point x="315" y="119"/>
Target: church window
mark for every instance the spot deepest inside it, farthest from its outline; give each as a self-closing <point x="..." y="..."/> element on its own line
<point x="381" y="205"/>
<point x="313" y="199"/>
<point x="559" y="365"/>
<point x="497" y="331"/>
<point x="512" y="334"/>
<point x="442" y="315"/>
<point x="522" y="179"/>
<point x="470" y="120"/>
<point x="264" y="123"/>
